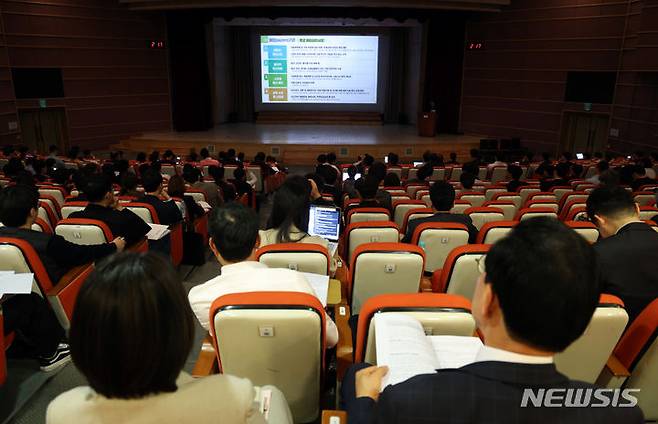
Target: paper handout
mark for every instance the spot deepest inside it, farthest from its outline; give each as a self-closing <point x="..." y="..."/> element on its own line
<point x="320" y="284"/>
<point x="11" y="283"/>
<point x="402" y="345"/>
<point x="157" y="231"/>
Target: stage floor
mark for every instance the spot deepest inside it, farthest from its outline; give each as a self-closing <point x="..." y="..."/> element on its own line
<point x="300" y="144"/>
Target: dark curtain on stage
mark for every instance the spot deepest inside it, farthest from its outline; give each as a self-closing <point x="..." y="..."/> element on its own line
<point x="243" y="82"/>
<point x="445" y="43"/>
<point x="394" y="102"/>
<point x="191" y="100"/>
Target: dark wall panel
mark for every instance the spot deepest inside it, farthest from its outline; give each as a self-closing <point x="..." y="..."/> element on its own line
<point x="515" y="86"/>
<point x="115" y="85"/>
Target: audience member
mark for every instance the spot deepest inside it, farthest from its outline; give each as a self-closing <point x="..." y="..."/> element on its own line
<point x="422" y="175"/>
<point x="241" y="185"/>
<point x="442" y="195"/>
<point x="601" y="167"/>
<point x="122" y="301"/>
<point x="467" y="181"/>
<point x="155" y="196"/>
<point x="640" y="178"/>
<point x="228" y="189"/>
<point x="348" y="184"/>
<point x="206" y="160"/>
<point x="234" y="240"/>
<point x="192" y="176"/>
<point x="535" y="295"/>
<point x="392" y="180"/>
<point x="515" y="172"/>
<point x="627" y="248"/>
<point x="378" y="171"/>
<point x="453" y="159"/>
<point x="366" y="189"/>
<point x="103" y="206"/>
<point x="393" y="160"/>
<point x="188" y="207"/>
<point x="18" y="211"/>
<point x="563" y="170"/>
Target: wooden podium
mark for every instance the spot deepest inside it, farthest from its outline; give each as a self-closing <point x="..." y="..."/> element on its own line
<point x="427" y="124"/>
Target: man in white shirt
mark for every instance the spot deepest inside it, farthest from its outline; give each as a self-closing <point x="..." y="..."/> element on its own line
<point x="234" y="241"/>
<point x="535" y="296"/>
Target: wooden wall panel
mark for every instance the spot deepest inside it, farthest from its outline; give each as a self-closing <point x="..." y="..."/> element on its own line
<point x="115" y="85"/>
<point x="515" y="86"/>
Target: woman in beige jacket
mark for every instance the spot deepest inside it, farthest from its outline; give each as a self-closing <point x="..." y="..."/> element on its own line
<point x="130" y="336"/>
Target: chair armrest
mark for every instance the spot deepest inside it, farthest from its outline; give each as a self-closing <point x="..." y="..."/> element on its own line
<point x="344" y="348"/>
<point x="62" y="297"/>
<point x="206" y="362"/>
<point x="616" y="368"/>
<point x="176" y="243"/>
<point x="334" y="417"/>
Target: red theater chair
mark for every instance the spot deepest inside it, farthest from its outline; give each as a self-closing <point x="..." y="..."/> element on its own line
<point x="460" y="271"/>
<point x="148" y="213"/>
<point x="384" y="268"/>
<point x="369" y="232"/>
<point x="284" y="336"/>
<point x="303" y="257"/>
<point x="19" y="256"/>
<point x="535" y="212"/>
<point x="634" y="363"/>
<point x="74" y="206"/>
<point x="415" y="214"/>
<point x="440" y="313"/>
<point x="401" y="207"/>
<point x="367" y="215"/>
<point x="84" y="231"/>
<point x="482" y="215"/>
<point x="438" y="239"/>
<point x="588" y="230"/>
<point x="491" y="232"/>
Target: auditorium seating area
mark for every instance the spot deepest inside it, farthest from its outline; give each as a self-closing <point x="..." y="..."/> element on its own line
<point x="432" y="277"/>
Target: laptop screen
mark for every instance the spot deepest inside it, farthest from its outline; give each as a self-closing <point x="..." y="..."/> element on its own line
<point x="324" y="221"/>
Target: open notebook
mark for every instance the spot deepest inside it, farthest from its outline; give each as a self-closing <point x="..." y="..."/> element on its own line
<point x="403" y="346"/>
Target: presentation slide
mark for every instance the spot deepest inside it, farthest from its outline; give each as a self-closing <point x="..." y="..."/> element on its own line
<point x="319" y="69"/>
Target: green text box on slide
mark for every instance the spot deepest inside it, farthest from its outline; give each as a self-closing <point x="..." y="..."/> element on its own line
<point x="276" y="80"/>
<point x="276" y="66"/>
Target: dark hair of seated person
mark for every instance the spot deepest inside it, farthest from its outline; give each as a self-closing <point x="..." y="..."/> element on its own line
<point x="16" y="202"/>
<point x="328" y="173"/>
<point x="176" y="186"/>
<point x="610" y="202"/>
<point x="544" y="276"/>
<point x="367" y="187"/>
<point x="424" y="172"/>
<point x="129" y="183"/>
<point x="233" y="229"/>
<point x="290" y="207"/>
<point x="392" y="180"/>
<point x="516" y="172"/>
<point x="442" y="195"/>
<point x="151" y="180"/>
<point x="378" y="170"/>
<point x="96" y="187"/>
<point x="467" y="180"/>
<point x="132" y="327"/>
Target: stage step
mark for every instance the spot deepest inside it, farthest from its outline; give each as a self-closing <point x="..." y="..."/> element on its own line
<point x="319" y="118"/>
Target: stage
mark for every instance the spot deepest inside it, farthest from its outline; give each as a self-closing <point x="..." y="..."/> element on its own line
<point x="300" y="144"/>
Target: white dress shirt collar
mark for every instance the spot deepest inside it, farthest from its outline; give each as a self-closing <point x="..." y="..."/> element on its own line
<point x="488" y="353"/>
<point x="243" y="266"/>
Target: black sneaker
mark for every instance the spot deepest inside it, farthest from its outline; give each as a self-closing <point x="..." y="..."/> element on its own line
<point x="61" y="357"/>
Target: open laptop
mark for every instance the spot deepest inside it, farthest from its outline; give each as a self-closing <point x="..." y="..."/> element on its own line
<point x="324" y="221"/>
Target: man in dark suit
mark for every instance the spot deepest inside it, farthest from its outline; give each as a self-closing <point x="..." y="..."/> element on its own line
<point x="628" y="249"/>
<point x="103" y="206"/>
<point x="442" y="195"/>
<point x="536" y="294"/>
<point x="168" y="212"/>
<point x="28" y="315"/>
<point x="366" y="187"/>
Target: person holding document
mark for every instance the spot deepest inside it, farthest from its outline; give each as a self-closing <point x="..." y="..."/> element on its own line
<point x="234" y="240"/>
<point x="536" y="295"/>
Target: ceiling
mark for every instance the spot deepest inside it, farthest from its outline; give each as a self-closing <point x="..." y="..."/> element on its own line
<point x="479" y="5"/>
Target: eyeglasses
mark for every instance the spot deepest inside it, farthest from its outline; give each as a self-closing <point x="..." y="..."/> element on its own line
<point x="480" y="262"/>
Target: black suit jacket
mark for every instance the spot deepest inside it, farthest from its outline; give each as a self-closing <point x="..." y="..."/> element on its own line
<point x="57" y="254"/>
<point x="122" y="223"/>
<point x="442" y="217"/>
<point x="627" y="264"/>
<point x="168" y="212"/>
<point x="483" y="392"/>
